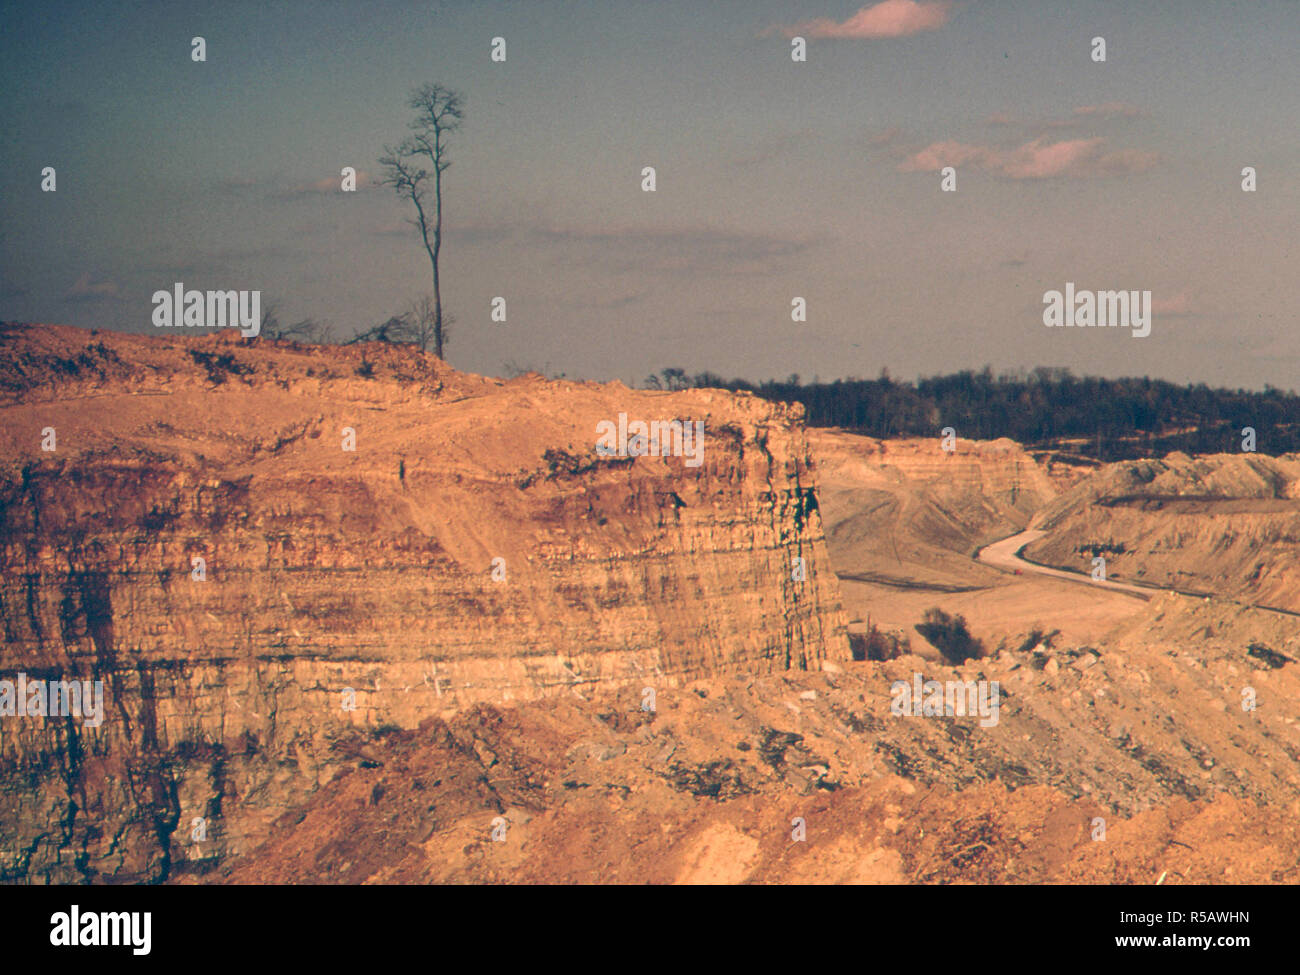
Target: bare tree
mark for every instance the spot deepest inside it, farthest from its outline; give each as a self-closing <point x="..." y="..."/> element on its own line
<point x="307" y="330"/>
<point x="420" y="158"/>
<point x="396" y="329"/>
<point x="673" y="378"/>
<point x="417" y="325"/>
<point x="422" y="321"/>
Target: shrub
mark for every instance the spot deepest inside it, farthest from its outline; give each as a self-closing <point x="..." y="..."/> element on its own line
<point x="875" y="644"/>
<point x="218" y="367"/>
<point x="950" y="636"/>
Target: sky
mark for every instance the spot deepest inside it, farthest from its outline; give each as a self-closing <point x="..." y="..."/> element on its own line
<point x="775" y="179"/>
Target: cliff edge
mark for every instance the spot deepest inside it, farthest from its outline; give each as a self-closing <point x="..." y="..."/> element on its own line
<point x="259" y="546"/>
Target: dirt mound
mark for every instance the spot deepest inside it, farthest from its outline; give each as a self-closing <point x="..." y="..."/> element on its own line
<point x="715" y="786"/>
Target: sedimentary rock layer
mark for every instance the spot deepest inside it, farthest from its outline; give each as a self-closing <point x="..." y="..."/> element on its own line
<point x="473" y="547"/>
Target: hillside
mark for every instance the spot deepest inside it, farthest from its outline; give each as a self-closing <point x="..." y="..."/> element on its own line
<point x="1222" y="524"/>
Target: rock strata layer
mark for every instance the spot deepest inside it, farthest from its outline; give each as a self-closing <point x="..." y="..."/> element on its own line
<point x="257" y="546"/>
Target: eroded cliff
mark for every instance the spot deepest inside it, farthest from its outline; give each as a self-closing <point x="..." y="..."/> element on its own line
<point x="383" y="539"/>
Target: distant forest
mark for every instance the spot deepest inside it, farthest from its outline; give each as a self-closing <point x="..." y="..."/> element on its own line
<point x="1046" y="409"/>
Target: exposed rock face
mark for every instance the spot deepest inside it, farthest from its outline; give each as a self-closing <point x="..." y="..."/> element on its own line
<point x="1064" y="470"/>
<point x="350" y="587"/>
<point x="1225" y="524"/>
<point x="907" y="513"/>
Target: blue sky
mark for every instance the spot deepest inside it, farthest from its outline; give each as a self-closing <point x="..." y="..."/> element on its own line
<point x="775" y="179"/>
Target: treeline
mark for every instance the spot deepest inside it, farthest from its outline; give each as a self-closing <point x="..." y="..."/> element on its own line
<point x="1048" y="408"/>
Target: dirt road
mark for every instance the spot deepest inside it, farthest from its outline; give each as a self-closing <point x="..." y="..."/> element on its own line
<point x="1005" y="555"/>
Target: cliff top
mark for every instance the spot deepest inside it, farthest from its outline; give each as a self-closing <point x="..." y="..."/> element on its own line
<point x="231" y="400"/>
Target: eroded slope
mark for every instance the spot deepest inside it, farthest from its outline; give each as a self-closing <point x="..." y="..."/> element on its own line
<point x="472" y="547"/>
<point x="1223" y="524"/>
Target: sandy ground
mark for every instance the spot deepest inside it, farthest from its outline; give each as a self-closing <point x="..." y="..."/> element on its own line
<point x="1000" y="614"/>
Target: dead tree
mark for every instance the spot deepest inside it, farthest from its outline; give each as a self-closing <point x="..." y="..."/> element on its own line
<point x="308" y="330"/>
<point x="420" y="160"/>
<point x="422" y="320"/>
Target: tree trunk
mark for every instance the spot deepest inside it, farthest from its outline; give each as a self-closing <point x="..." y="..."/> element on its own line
<point x="437" y="247"/>
<point x="433" y="259"/>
